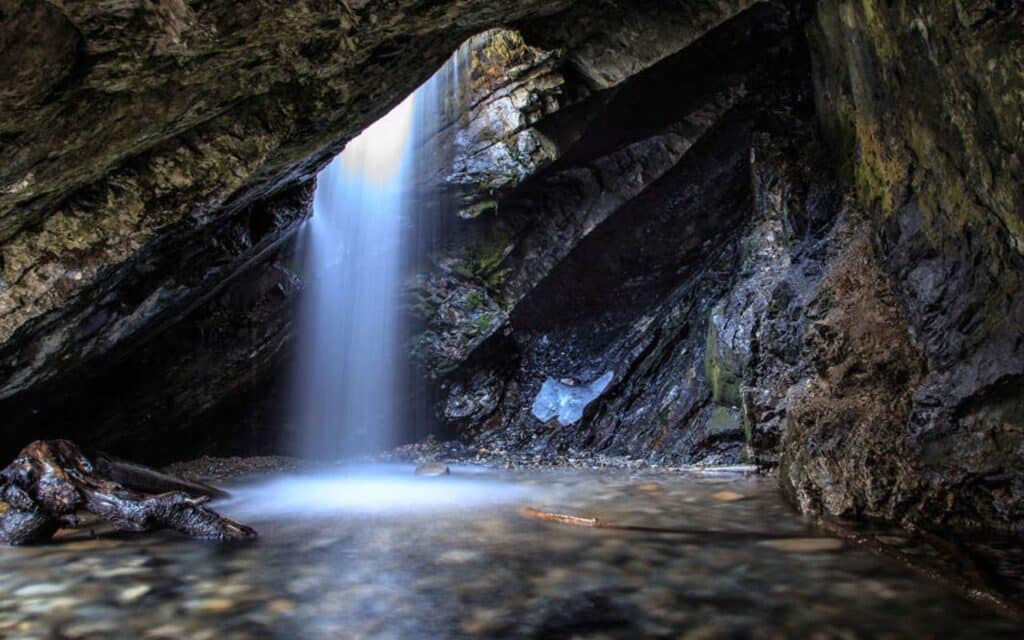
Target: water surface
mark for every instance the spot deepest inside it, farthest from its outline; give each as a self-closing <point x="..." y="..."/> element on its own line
<point x="368" y="553"/>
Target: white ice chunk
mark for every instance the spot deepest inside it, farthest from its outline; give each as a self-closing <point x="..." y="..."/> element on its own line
<point x="565" y="401"/>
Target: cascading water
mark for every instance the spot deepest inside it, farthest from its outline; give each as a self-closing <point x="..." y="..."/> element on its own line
<point x="348" y="330"/>
<point x="371" y="217"/>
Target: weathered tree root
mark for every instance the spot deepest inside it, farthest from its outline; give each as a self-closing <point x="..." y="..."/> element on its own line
<point x="51" y="480"/>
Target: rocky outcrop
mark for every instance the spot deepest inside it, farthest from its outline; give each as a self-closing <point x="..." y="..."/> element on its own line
<point x="605" y="155"/>
<point x="754" y="353"/>
<point x="135" y="137"/>
<point x="217" y="324"/>
<point x="155" y="124"/>
<point x="871" y="344"/>
<point x="848" y="421"/>
<point x="922" y="103"/>
<point x="609" y="260"/>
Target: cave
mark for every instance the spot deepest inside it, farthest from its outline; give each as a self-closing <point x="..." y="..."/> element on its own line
<point x="628" y="310"/>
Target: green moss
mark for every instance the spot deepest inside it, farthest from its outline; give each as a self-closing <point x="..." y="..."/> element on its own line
<point x="475" y="300"/>
<point x="878" y="171"/>
<point x="483" y="324"/>
<point x="723" y="420"/>
<point x="864" y="160"/>
<point x="748" y="424"/>
<point x="502" y="50"/>
<point x="478" y="209"/>
<point x="874" y="25"/>
<point x="481" y="261"/>
<point x="721" y="369"/>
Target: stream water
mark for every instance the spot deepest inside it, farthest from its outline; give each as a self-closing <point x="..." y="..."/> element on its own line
<point x="380" y="553"/>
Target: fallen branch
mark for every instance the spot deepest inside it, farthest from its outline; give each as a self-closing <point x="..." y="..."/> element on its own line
<point x="560" y="518"/>
<point x="597" y="523"/>
<point x="50" y="480"/>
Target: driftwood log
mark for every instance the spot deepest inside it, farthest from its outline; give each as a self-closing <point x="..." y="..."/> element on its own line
<point x="52" y="480"/>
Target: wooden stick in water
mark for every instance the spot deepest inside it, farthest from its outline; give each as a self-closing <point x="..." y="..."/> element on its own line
<point x="597" y="523"/>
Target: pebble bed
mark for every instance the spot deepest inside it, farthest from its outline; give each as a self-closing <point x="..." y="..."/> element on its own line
<point x="758" y="571"/>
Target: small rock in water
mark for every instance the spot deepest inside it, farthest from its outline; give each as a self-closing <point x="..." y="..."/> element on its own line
<point x="458" y="556"/>
<point x="43" y="589"/>
<point x="281" y="605"/>
<point x="727" y="496"/>
<point x="803" y="545"/>
<point x="215" y="605"/>
<point x="892" y="541"/>
<point x="432" y="469"/>
<point x="131" y="594"/>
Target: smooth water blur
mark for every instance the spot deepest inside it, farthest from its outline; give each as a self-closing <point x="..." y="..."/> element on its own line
<point x="368" y="489"/>
<point x="473" y="567"/>
<point x="376" y="215"/>
<point x="348" y="336"/>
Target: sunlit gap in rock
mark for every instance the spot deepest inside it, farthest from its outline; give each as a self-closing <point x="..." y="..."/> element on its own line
<point x="371" y="215"/>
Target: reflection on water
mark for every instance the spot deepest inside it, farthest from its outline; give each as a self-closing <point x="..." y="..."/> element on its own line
<point x="465" y="564"/>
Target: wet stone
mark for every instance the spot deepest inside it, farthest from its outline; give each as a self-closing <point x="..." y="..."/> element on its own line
<point x="727" y="496"/>
<point x="431" y="469"/>
<point x="38" y="590"/>
<point x="131" y="594"/>
<point x="803" y="545"/>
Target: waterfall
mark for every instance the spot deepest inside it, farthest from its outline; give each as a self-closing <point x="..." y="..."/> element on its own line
<point x="372" y="219"/>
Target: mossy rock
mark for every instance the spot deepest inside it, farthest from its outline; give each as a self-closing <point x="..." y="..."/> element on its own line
<point x="481" y="261"/>
<point x="724" y="420"/>
<point x="723" y="369"/>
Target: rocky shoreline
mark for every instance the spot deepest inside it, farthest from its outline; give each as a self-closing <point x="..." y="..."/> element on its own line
<point x="218" y="469"/>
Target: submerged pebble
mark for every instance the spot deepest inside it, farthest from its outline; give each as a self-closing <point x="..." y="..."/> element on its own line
<point x="803" y="545"/>
<point x="727" y="496"/>
<point x="131" y="594"/>
<point x="432" y="469"/>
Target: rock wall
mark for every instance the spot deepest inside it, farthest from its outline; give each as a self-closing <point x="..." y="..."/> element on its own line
<point x="648" y="252"/>
<point x="923" y="104"/>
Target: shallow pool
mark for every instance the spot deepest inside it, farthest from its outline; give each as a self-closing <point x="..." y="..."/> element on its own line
<point x="379" y="552"/>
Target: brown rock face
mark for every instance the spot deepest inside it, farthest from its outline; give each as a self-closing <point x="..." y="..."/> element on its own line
<point x="922" y="103"/>
<point x="845" y="448"/>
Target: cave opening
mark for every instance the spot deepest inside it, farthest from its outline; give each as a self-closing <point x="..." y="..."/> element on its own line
<point x="520" y="320"/>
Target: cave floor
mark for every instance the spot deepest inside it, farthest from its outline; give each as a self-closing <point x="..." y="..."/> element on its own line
<point x="379" y="552"/>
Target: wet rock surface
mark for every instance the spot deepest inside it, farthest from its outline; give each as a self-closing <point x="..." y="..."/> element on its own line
<point x="922" y="104"/>
<point x="844" y="307"/>
<point x="609" y="260"/>
<point x="489" y="572"/>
